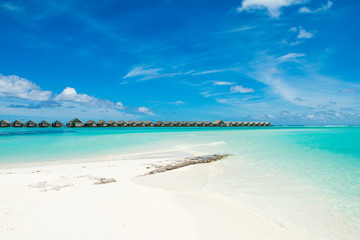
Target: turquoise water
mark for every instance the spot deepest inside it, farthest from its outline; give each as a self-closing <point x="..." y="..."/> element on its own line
<point x="305" y="178"/>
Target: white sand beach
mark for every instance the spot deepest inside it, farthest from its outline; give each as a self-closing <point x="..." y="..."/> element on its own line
<point x="61" y="201"/>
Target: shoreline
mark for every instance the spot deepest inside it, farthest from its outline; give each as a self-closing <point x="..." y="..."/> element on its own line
<point x="62" y="201"/>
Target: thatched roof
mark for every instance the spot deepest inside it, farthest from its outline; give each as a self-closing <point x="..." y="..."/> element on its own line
<point x="148" y="122"/>
<point x="218" y="122"/>
<point x="130" y="122"/>
<point x="200" y="122"/>
<point x="57" y="121"/>
<point x="101" y="122"/>
<point x="44" y="122"/>
<point x="192" y="122"/>
<point x="177" y="122"/>
<point x="75" y="120"/>
<point x="168" y="122"/>
<point x="158" y="122"/>
<point x="90" y="122"/>
<point x="121" y="122"/>
<point x="207" y="122"/>
<point x="5" y="121"/>
<point x="139" y="122"/>
<point x="112" y="122"/>
<point x="18" y="121"/>
<point x="184" y="122"/>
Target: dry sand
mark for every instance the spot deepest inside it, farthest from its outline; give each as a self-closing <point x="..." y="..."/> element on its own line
<point x="62" y="201"/>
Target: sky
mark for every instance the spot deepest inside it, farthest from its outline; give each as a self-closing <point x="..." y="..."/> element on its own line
<point x="284" y="61"/>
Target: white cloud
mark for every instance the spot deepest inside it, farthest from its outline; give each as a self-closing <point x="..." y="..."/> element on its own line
<point x="70" y="95"/>
<point x="323" y="8"/>
<point x="290" y="56"/>
<point x="304" y="34"/>
<point x="17" y="87"/>
<point x="240" y="89"/>
<point x="145" y="110"/>
<point x="273" y="7"/>
<point x="222" y="83"/>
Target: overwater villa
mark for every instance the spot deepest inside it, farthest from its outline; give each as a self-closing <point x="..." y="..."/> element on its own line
<point x="200" y="124"/>
<point x="44" y="124"/>
<point x="149" y="123"/>
<point x="102" y="123"/>
<point x="131" y="124"/>
<point x="57" y="123"/>
<point x="112" y="123"/>
<point x="267" y="124"/>
<point x="192" y="124"/>
<point x="122" y="123"/>
<point x="75" y="123"/>
<point x="228" y="124"/>
<point x="90" y="123"/>
<point x="31" y="123"/>
<point x="168" y="124"/>
<point x="208" y="124"/>
<point x="218" y="123"/>
<point x="140" y="124"/>
<point x="185" y="124"/>
<point x="5" y="123"/>
<point x="159" y="124"/>
<point x="18" y="123"/>
<point x="177" y="124"/>
<point x="235" y="124"/>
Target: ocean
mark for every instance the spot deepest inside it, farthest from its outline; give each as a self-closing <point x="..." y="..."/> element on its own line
<point x="306" y="179"/>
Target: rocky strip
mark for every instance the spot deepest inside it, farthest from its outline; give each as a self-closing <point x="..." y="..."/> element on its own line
<point x="159" y="168"/>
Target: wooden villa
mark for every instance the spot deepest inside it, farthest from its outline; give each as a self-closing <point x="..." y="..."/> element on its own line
<point x="102" y="123"/>
<point x="18" y="123"/>
<point x="228" y="124"/>
<point x="149" y="124"/>
<point x="235" y="124"/>
<point x="31" y="123"/>
<point x="140" y="124"/>
<point x="122" y="123"/>
<point x="185" y="124"/>
<point x="112" y="123"/>
<point x="44" y="124"/>
<point x="57" y="123"/>
<point x="5" y="123"/>
<point x="130" y="124"/>
<point x="267" y="124"/>
<point x="208" y="124"/>
<point x="192" y="124"/>
<point x="177" y="124"/>
<point x="75" y="123"/>
<point x="159" y="124"/>
<point x="90" y="123"/>
<point x="168" y="124"/>
<point x="218" y="123"/>
<point x="200" y="124"/>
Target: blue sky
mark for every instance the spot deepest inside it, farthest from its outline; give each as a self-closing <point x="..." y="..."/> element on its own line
<point x="283" y="61"/>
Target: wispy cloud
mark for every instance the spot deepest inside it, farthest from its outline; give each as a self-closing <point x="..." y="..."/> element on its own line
<point x="10" y="6"/>
<point x="290" y="57"/>
<point x="143" y="73"/>
<point x="222" y="83"/>
<point x="241" y="89"/>
<point x="323" y="8"/>
<point x="235" y="69"/>
<point x="273" y="7"/>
